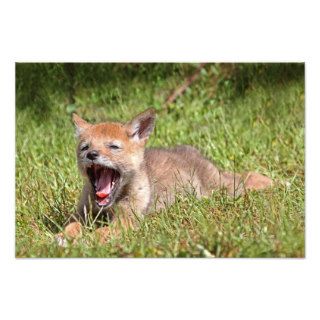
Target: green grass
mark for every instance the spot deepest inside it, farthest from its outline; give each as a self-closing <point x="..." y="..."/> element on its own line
<point x="251" y="118"/>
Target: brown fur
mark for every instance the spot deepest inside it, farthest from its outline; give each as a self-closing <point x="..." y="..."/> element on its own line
<point x="150" y="177"/>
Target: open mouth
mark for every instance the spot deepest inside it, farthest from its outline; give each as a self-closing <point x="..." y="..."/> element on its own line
<point x="104" y="181"/>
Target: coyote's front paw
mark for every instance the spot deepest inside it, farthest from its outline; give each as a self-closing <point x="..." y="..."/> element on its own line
<point x="103" y="234"/>
<point x="72" y="232"/>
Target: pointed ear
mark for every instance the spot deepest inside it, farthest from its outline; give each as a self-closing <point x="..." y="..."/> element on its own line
<point x="141" y="126"/>
<point x="80" y="124"/>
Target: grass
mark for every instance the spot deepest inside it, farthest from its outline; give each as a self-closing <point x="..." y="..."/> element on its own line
<point x="249" y="118"/>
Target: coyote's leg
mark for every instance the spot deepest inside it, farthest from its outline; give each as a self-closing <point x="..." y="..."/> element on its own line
<point x="257" y="181"/>
<point x="236" y="183"/>
<point x="125" y="217"/>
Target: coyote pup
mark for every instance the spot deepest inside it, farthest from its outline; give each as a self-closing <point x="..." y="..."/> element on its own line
<point x="121" y="174"/>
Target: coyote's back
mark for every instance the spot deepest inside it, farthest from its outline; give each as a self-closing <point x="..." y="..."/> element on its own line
<point x="184" y="169"/>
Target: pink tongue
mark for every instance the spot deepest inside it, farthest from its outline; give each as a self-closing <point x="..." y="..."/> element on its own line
<point x="104" y="184"/>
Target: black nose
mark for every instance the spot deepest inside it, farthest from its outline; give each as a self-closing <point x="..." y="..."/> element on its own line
<point x="92" y="155"/>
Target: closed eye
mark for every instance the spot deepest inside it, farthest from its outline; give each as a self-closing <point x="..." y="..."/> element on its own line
<point x="86" y="147"/>
<point x="114" y="147"/>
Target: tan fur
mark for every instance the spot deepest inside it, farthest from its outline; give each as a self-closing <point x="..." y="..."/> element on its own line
<point x="151" y="177"/>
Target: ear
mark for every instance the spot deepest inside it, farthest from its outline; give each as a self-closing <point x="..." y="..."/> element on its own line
<point x="141" y="126"/>
<point x="80" y="124"/>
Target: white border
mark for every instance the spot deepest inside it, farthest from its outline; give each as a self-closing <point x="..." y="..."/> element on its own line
<point x="158" y="31"/>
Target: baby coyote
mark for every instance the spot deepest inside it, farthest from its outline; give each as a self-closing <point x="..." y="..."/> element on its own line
<point x="124" y="181"/>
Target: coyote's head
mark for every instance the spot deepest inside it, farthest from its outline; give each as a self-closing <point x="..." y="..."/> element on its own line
<point x="111" y="153"/>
